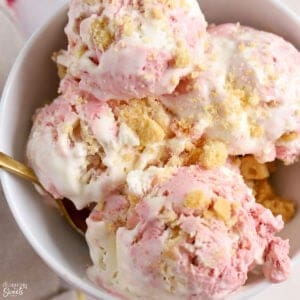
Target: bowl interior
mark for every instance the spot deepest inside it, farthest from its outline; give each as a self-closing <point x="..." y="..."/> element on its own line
<point x="33" y="82"/>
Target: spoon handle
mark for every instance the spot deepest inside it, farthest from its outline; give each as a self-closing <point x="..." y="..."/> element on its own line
<point x="13" y="166"/>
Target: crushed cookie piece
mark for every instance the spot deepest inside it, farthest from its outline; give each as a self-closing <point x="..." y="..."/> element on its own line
<point x="61" y="71"/>
<point x="196" y="200"/>
<point x="208" y="154"/>
<point x="129" y="27"/>
<point x="242" y="47"/>
<point x="158" y="113"/>
<point x="100" y="33"/>
<point x="149" y="131"/>
<point x="272" y="103"/>
<point x="168" y="216"/>
<point x="182" y="56"/>
<point x="94" y="161"/>
<point x="256" y="130"/>
<point x="281" y="206"/>
<point x="251" y="169"/>
<point x="156" y="13"/>
<point x="222" y="208"/>
<point x="288" y="137"/>
<point x="128" y="157"/>
<point x="175" y="161"/>
<point x="136" y="115"/>
<point x="209" y="214"/>
<point x="133" y="200"/>
<point x="214" y="154"/>
<point x="263" y="190"/>
<point x="266" y="196"/>
<point x="92" y="144"/>
<point x="245" y="98"/>
<point x="192" y="157"/>
<point x="174" y="80"/>
<point x="183" y="126"/>
<point x="80" y="50"/>
<point x="91" y="2"/>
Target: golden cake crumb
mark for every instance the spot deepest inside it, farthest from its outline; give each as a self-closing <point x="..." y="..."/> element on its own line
<point x="245" y="98"/>
<point x="133" y="200"/>
<point x="99" y="206"/>
<point x="288" y="136"/>
<point x="149" y="131"/>
<point x="100" y="33"/>
<point x="157" y="112"/>
<point x="222" y="208"/>
<point x="252" y="169"/>
<point x="182" y="56"/>
<point x="214" y="154"/>
<point x="156" y="13"/>
<point x="197" y="200"/>
<point x="129" y="27"/>
<point x="168" y="216"/>
<point x="80" y="50"/>
<point x="91" y="2"/>
<point x="242" y="47"/>
<point x="61" y="71"/>
<point x="207" y="153"/>
<point x="281" y="206"/>
<point x="266" y="196"/>
<point x="256" y="130"/>
<point x="209" y="214"/>
<point x="192" y="156"/>
<point x="136" y="115"/>
<point x="174" y="80"/>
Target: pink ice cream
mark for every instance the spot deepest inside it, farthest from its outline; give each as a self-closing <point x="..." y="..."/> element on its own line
<point x="192" y="234"/>
<point x="82" y="149"/>
<point x="247" y="94"/>
<point x="67" y="144"/>
<point x="152" y="112"/>
<point x="132" y="49"/>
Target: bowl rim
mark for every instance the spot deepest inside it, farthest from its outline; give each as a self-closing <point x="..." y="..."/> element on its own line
<point x="69" y="277"/>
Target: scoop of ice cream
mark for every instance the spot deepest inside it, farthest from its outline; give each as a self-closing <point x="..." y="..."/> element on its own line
<point x="83" y="149"/>
<point x="188" y="233"/>
<point x="132" y="49"/>
<point x="247" y="94"/>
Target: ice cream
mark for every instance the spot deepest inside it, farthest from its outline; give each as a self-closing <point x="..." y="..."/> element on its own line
<point x="193" y="234"/>
<point x="132" y="49"/>
<point x="167" y="127"/>
<point x="83" y="149"/>
<point x="247" y="94"/>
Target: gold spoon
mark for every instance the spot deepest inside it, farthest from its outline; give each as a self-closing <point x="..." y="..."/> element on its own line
<point x="66" y="208"/>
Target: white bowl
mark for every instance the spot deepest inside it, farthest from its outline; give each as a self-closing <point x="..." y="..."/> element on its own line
<point x="33" y="81"/>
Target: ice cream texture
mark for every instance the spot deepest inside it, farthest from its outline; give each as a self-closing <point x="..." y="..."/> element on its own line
<point x="132" y="49"/>
<point x="83" y="149"/>
<point x="193" y="234"/>
<point x="169" y="127"/>
<point x="247" y="95"/>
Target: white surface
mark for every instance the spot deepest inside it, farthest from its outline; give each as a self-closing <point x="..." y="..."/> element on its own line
<point x="11" y="41"/>
<point x="30" y="21"/>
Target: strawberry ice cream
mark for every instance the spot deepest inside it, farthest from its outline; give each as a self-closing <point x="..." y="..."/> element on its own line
<point x="83" y="149"/>
<point x="192" y="234"/>
<point x="154" y="115"/>
<point x="132" y="49"/>
<point x="247" y="94"/>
